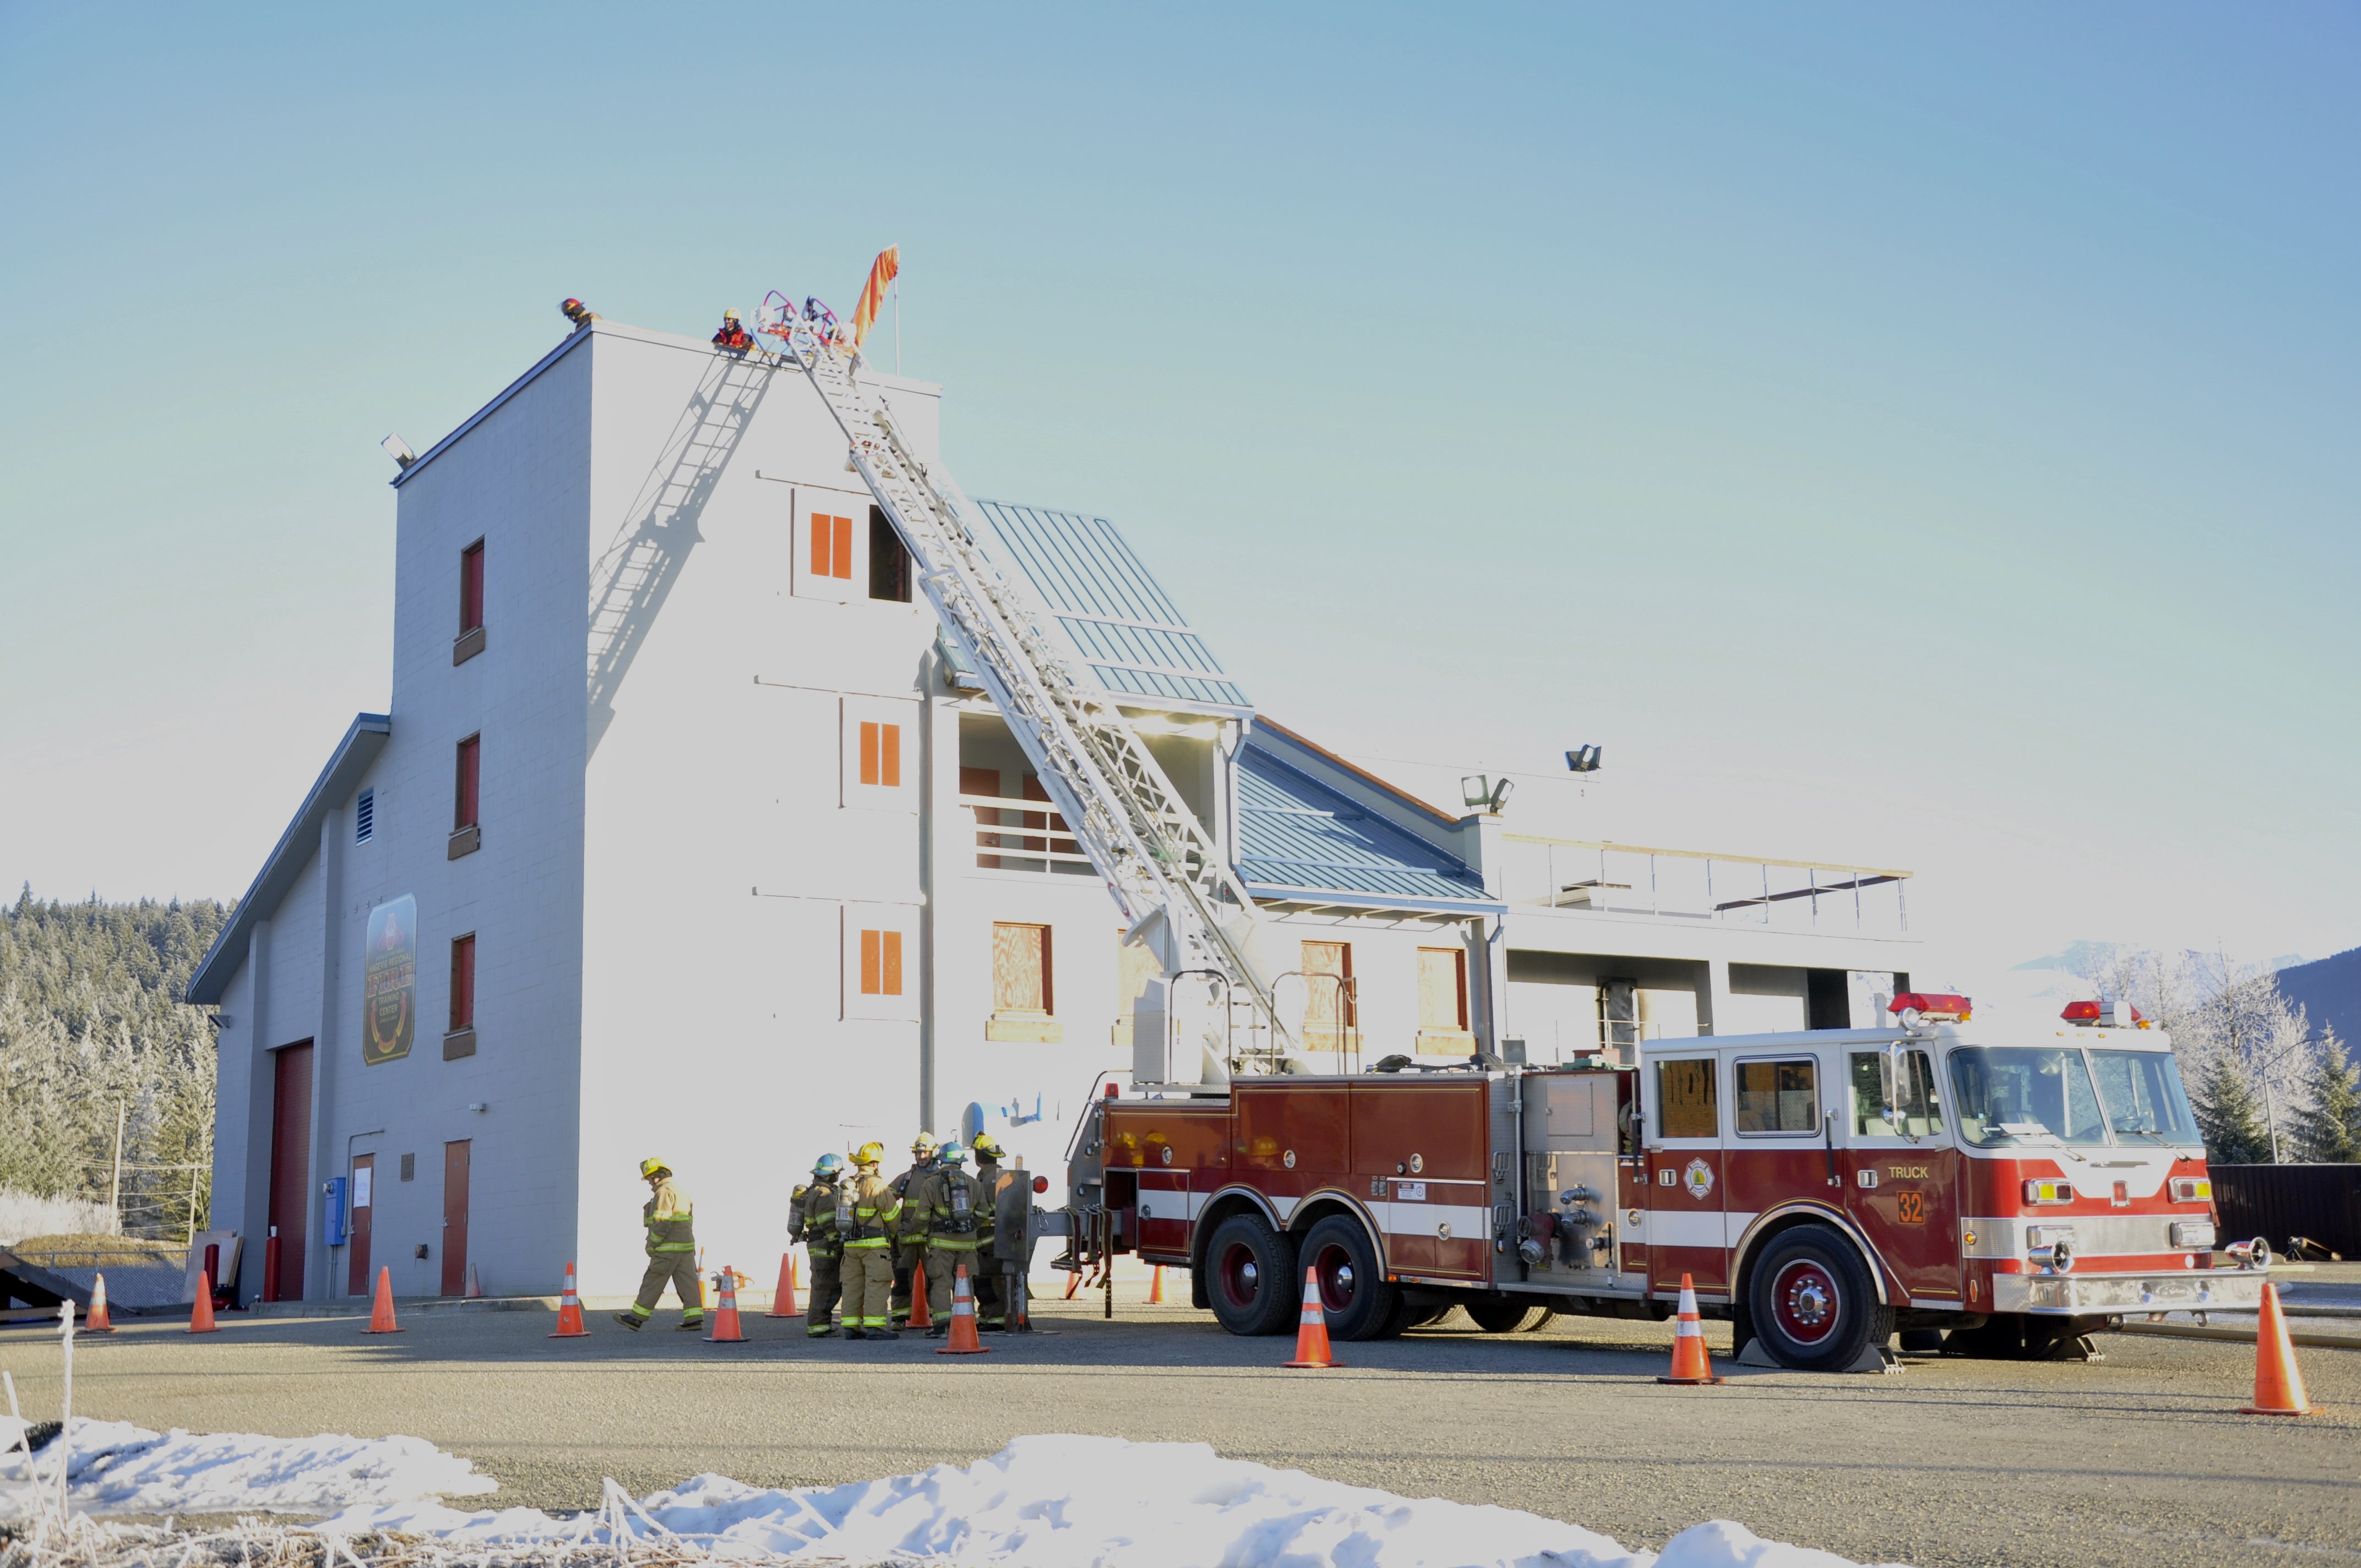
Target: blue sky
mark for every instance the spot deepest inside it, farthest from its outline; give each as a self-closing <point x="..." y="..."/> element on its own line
<point x="1919" y="438"/>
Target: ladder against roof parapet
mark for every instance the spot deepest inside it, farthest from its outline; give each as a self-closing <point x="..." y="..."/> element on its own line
<point x="1118" y="804"/>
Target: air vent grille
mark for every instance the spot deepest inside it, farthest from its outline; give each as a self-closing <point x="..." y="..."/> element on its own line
<point x="364" y="818"/>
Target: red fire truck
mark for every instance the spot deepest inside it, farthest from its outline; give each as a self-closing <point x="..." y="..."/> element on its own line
<point x="1979" y="1190"/>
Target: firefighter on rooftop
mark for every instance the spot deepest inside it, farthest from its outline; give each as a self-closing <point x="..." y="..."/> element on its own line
<point x="732" y="335"/>
<point x="672" y="1252"/>
<point x="869" y="1215"/>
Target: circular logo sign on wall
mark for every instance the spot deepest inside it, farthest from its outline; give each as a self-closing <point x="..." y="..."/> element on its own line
<point x="1698" y="1179"/>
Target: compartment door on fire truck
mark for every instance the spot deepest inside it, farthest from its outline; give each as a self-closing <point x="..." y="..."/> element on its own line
<point x="1684" y="1228"/>
<point x="1902" y="1176"/>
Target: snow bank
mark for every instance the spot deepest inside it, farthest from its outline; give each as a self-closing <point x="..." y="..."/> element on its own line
<point x="116" y="1467"/>
<point x="1092" y="1502"/>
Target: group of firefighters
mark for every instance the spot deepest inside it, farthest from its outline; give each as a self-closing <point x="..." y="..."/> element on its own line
<point x="872" y="1241"/>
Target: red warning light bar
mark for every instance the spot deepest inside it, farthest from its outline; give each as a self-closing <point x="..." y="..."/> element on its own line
<point x="1933" y="1006"/>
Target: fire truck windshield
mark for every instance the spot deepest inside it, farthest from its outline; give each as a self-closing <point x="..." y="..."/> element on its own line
<point x="2143" y="1096"/>
<point x="2016" y="1095"/>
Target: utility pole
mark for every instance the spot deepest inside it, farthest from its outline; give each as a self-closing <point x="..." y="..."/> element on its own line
<point x="193" y="1169"/>
<point x="114" y="1182"/>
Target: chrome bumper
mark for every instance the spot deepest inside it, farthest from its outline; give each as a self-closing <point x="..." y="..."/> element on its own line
<point x="2080" y="1295"/>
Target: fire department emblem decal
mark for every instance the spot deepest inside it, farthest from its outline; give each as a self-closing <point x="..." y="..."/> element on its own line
<point x="1698" y="1179"/>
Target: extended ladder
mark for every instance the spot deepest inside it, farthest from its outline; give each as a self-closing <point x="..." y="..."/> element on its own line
<point x="1139" y="834"/>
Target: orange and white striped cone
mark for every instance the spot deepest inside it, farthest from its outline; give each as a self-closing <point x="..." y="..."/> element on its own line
<point x="2279" y="1387"/>
<point x="725" y="1330"/>
<point x="783" y="1299"/>
<point x="964" y="1339"/>
<point x="569" y="1311"/>
<point x="475" y="1291"/>
<point x="1156" y="1286"/>
<point x="1312" y="1333"/>
<point x="1690" y="1362"/>
<point x="381" y="1309"/>
<point x="96" y="1322"/>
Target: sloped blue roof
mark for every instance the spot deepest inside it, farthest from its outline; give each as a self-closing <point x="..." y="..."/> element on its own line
<point x="1109" y="606"/>
<point x="1298" y="838"/>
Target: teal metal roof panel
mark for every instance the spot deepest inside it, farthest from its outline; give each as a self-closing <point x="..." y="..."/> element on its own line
<point x="1296" y="836"/>
<point x="1109" y="607"/>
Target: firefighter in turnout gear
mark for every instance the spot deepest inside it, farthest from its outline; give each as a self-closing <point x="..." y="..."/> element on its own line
<point x="991" y="1304"/>
<point x="911" y="1253"/>
<point x="867" y="1215"/>
<point x="672" y="1252"/>
<point x="948" y="1205"/>
<point x="811" y="1220"/>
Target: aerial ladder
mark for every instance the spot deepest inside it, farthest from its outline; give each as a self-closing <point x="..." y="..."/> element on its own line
<point x="1176" y="890"/>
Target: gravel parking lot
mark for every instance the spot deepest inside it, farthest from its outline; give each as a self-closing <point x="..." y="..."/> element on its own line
<point x="2141" y="1459"/>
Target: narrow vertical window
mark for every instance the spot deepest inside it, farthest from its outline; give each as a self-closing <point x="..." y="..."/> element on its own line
<point x="463" y="982"/>
<point x="823" y="554"/>
<point x="881" y="963"/>
<point x="842" y="528"/>
<point x="469" y="773"/>
<point x="881" y="754"/>
<point x="471" y="586"/>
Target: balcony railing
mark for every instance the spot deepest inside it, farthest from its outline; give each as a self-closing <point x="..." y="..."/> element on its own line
<point x="1695" y="885"/>
<point x="1015" y="834"/>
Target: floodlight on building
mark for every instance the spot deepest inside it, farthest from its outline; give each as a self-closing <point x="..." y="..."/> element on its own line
<point x="1476" y="789"/>
<point x="1581" y="760"/>
<point x="1499" y="796"/>
<point x="399" y="450"/>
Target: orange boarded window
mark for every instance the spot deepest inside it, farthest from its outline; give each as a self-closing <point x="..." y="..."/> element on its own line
<point x="1020" y="968"/>
<point x="1443" y="988"/>
<point x="881" y="963"/>
<point x="881" y="754"/>
<point x="831" y="546"/>
<point x="1328" y="993"/>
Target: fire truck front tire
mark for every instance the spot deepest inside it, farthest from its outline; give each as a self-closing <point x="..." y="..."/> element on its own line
<point x="1354" y="1293"/>
<point x="1814" y="1305"/>
<point x="1251" y="1277"/>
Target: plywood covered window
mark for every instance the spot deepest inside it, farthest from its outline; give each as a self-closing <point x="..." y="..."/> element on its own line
<point x="831" y="545"/>
<point x="1329" y="1007"/>
<point x="1686" y="1105"/>
<point x="468" y="783"/>
<point x="1024" y="983"/>
<point x="880" y="960"/>
<point x="880" y="753"/>
<point x="1442" y="999"/>
<point x="829" y="540"/>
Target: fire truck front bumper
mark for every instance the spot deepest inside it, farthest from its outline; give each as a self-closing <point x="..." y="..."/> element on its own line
<point x="2082" y="1294"/>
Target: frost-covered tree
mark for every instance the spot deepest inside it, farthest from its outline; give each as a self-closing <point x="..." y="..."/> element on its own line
<point x="2230" y="1113"/>
<point x="2328" y="1129"/>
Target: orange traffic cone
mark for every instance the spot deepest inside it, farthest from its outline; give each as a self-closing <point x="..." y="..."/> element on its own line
<point x="964" y="1340"/>
<point x="475" y="1291"/>
<point x="783" y="1299"/>
<point x="725" y="1317"/>
<point x="920" y="1316"/>
<point x="569" y="1311"/>
<point x="1312" y="1333"/>
<point x="2279" y="1387"/>
<point x="381" y="1309"/>
<point x="94" y="1322"/>
<point x="200" y="1310"/>
<point x="1690" y="1362"/>
<point x="1156" y="1286"/>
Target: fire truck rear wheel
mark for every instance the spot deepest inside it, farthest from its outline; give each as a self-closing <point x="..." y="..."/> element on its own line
<point x="1353" y="1288"/>
<point x="1814" y="1305"/>
<point x="1252" y="1277"/>
<point x="1507" y="1317"/>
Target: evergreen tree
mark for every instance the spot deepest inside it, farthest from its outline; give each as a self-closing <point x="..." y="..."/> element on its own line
<point x="2328" y="1129"/>
<point x="2230" y="1113"/>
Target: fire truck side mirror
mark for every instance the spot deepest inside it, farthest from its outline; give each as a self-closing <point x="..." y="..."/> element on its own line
<point x="1889" y="1084"/>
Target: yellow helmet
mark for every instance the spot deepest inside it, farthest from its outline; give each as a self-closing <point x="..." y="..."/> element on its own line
<point x="650" y="1166"/>
<point x="986" y="1146"/>
<point x="924" y="1144"/>
<point x="730" y="315"/>
<point x="869" y="1153"/>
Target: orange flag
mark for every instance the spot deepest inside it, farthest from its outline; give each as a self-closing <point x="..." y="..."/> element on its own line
<point x="882" y="271"/>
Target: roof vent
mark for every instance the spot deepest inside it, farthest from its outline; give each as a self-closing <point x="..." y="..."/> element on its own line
<point x="364" y="818"/>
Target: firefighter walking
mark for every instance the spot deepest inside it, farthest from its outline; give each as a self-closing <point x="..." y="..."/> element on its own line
<point x="672" y="1252"/>
<point x="910" y="1252"/>
<point x="869" y="1215"/>
<point x="811" y="1220"/>
<point x="947" y="1205"/>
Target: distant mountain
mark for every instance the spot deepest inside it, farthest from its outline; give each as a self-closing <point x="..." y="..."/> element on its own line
<point x="2330" y="994"/>
<point x="2084" y="958"/>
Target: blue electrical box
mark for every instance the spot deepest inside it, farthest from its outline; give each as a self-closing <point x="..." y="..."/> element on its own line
<point x="334" y="1225"/>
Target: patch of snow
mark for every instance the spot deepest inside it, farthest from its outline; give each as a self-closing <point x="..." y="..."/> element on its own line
<point x="1093" y="1502"/>
<point x="115" y="1467"/>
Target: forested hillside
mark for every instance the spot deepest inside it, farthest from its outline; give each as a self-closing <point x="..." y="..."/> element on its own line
<point x="89" y="1020"/>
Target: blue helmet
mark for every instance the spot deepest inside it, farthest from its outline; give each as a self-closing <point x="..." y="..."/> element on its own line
<point x="951" y="1154"/>
<point x="830" y="1164"/>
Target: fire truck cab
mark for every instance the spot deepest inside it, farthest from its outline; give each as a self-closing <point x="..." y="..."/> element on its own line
<point x="1979" y="1190"/>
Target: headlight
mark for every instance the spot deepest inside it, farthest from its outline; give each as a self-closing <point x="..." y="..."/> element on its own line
<point x="2192" y="1234"/>
<point x="2192" y="1189"/>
